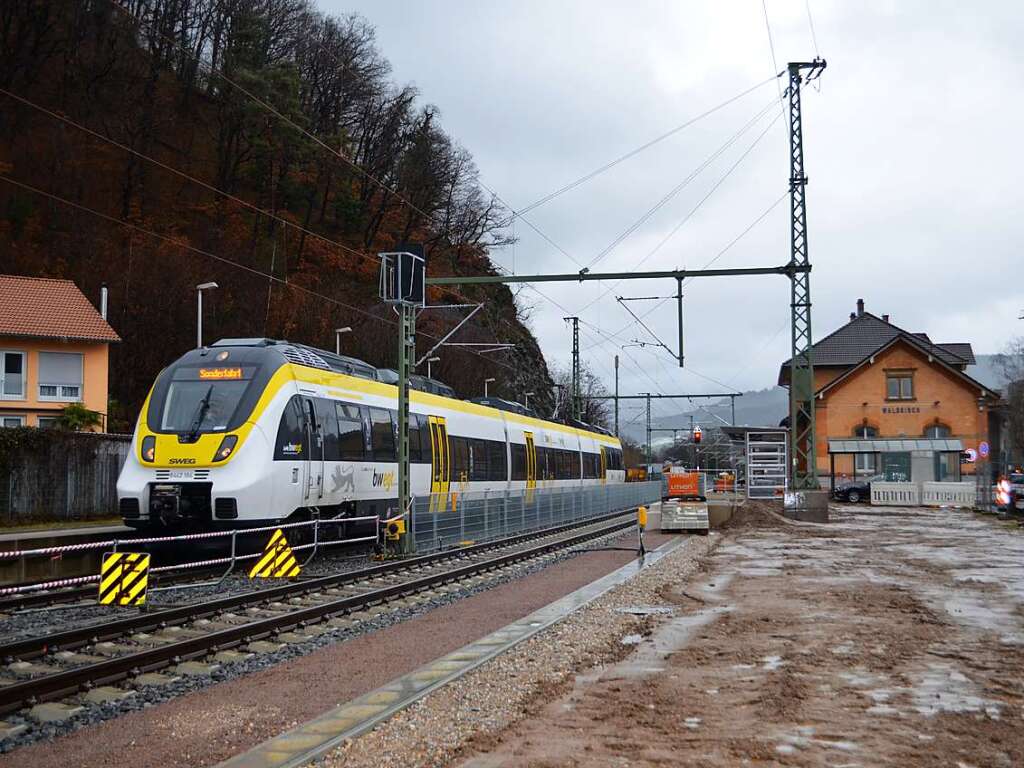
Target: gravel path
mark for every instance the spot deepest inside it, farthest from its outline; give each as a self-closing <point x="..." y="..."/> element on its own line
<point x="471" y="713"/>
<point x="246" y="702"/>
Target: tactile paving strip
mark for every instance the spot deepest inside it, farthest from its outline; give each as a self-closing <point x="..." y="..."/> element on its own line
<point x="316" y="737"/>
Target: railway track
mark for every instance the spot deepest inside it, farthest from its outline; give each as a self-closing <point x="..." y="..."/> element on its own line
<point x="63" y="664"/>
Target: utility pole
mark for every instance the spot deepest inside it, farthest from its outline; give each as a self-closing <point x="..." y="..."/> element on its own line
<point x="616" y="395"/>
<point x="648" y="394"/>
<point x="575" y="366"/>
<point x="679" y="302"/>
<point x="732" y="404"/>
<point x="803" y="455"/>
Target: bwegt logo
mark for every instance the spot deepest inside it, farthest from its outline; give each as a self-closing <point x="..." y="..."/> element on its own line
<point x="385" y="480"/>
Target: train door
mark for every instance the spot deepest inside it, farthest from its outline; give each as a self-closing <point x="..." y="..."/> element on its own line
<point x="531" y="467"/>
<point x="440" y="464"/>
<point x="604" y="466"/>
<point x="313" y="466"/>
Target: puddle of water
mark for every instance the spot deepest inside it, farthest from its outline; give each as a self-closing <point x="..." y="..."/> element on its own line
<point x="644" y="610"/>
<point x="942" y="688"/>
<point x="771" y="663"/>
<point x="667" y="638"/>
<point x="693" y="723"/>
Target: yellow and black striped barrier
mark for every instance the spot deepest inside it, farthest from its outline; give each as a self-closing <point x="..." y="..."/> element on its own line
<point x="124" y="577"/>
<point x="278" y="561"/>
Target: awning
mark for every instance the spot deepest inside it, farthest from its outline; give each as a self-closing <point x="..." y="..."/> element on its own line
<point x="936" y="445"/>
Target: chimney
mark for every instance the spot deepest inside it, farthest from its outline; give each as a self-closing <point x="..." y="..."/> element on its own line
<point x="103" y="301"/>
<point x="885" y="318"/>
<point x="853" y="316"/>
<point x="860" y="307"/>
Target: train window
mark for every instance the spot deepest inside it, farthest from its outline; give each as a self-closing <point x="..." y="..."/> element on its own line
<point x="419" y="439"/>
<point x="459" y="447"/>
<point x="497" y="460"/>
<point x="329" y="425"/>
<point x="382" y="435"/>
<point x="291" y="434"/>
<point x="479" y="463"/>
<point x="518" y="461"/>
<point x="351" y="442"/>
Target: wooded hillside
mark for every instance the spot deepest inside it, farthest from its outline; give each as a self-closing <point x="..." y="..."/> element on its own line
<point x="257" y="143"/>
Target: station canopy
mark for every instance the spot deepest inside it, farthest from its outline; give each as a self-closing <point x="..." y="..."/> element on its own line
<point x="936" y="445"/>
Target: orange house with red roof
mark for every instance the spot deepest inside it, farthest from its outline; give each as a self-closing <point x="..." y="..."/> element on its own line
<point x="54" y="351"/>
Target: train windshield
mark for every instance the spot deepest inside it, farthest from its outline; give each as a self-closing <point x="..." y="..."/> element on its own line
<point x="203" y="399"/>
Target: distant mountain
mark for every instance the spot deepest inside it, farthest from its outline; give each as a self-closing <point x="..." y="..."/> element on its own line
<point x="987" y="371"/>
<point x="760" y="408"/>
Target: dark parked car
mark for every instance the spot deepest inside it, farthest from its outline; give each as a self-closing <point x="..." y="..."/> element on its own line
<point x="856" y="490"/>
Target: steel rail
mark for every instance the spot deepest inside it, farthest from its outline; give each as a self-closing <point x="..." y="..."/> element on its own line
<point x="70" y="681"/>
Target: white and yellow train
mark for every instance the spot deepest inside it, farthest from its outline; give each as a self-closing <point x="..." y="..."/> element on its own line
<point x="254" y="431"/>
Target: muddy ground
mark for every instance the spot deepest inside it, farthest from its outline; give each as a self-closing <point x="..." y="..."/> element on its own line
<point x="891" y="637"/>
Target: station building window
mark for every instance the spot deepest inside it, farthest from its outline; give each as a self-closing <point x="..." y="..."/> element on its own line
<point x="899" y="385"/>
<point x="865" y="463"/>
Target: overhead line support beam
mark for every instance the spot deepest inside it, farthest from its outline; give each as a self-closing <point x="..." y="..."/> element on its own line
<point x="675" y="274"/>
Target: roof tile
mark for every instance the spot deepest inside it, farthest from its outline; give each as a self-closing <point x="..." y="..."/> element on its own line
<point x="47" y="308"/>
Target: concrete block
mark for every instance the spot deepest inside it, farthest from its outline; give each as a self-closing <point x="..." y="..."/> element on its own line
<point x="23" y="669"/>
<point x="10" y="730"/>
<point x="107" y="693"/>
<point x="230" y="657"/>
<point x="806" y="506"/>
<point x="264" y="646"/>
<point x="196" y="669"/>
<point x="155" y="678"/>
<point x="54" y="712"/>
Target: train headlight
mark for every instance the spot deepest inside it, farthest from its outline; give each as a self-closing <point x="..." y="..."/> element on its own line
<point x="149" y="448"/>
<point x="227" y="447"/>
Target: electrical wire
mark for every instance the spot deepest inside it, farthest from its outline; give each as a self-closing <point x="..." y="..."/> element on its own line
<point x="810" y="23"/>
<point x="771" y="46"/>
<point x="205" y="185"/>
<point x="633" y="153"/>
<point x="686" y="218"/>
<point x="209" y="254"/>
<point x="682" y="185"/>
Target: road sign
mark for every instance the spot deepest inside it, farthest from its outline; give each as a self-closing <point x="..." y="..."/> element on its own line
<point x="983" y="450"/>
<point x="970" y="455"/>
<point x="277" y="561"/>
<point x="123" y="578"/>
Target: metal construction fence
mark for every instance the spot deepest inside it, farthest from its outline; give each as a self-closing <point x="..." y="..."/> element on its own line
<point x="446" y="520"/>
<point x="62" y="476"/>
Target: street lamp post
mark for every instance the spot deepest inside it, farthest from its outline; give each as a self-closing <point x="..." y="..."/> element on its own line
<point x="337" y="338"/>
<point x="486" y="382"/>
<point x="527" y="396"/>
<point x="199" y="310"/>
<point x="429" y="361"/>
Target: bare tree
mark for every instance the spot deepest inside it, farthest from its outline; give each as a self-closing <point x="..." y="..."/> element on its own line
<point x="1010" y="364"/>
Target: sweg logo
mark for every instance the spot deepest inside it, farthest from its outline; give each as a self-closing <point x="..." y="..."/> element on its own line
<point x="181" y="461"/>
<point x="383" y="480"/>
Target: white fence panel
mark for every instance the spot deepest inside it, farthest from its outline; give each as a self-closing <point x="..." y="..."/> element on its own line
<point x="895" y="494"/>
<point x="948" y="494"/>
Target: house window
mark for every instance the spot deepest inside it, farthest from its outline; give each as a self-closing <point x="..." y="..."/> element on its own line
<point x="12" y="421"/>
<point x="899" y="386"/>
<point x="937" y="431"/>
<point x="865" y="463"/>
<point x="47" y="422"/>
<point x="12" y="375"/>
<point x="60" y="376"/>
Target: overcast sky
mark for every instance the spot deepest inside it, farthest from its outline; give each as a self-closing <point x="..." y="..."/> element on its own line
<point x="912" y="151"/>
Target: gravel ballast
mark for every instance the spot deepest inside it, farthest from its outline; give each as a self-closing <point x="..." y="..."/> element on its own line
<point x="302" y="679"/>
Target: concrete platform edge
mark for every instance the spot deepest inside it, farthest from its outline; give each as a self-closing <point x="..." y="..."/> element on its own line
<point x="316" y="737"/>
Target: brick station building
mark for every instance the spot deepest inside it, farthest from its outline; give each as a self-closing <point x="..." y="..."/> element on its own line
<point x="876" y="384"/>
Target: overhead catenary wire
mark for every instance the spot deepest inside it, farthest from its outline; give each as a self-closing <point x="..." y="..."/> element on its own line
<point x="771" y="47"/>
<point x="216" y="257"/>
<point x="810" y="23"/>
<point x="171" y="169"/>
<point x="671" y="194"/>
<point x="689" y="215"/>
<point x="647" y="145"/>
